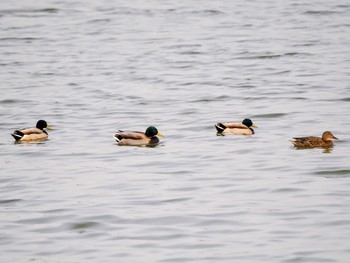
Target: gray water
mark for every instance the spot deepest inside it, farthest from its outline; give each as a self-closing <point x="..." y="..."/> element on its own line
<point x="92" y="67"/>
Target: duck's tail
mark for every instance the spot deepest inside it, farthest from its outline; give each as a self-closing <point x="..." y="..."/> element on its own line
<point x="296" y="142"/>
<point x="17" y="134"/>
<point x="118" y="137"/>
<point x="220" y="127"/>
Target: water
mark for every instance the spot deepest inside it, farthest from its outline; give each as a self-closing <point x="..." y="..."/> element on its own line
<point x="92" y="67"/>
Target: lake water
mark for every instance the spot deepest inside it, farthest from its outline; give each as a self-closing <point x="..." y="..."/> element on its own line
<point x="92" y="67"/>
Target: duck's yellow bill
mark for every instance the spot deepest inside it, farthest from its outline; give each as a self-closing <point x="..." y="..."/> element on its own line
<point x="160" y="134"/>
<point x="255" y="126"/>
<point x="49" y="127"/>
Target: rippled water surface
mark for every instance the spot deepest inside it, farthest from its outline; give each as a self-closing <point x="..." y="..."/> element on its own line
<point x="92" y="67"/>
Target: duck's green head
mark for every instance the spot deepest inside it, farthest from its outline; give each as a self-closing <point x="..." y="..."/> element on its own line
<point x="152" y="131"/>
<point x="248" y="123"/>
<point x="41" y="124"/>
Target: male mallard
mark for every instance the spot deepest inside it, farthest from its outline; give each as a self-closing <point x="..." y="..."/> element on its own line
<point x="136" y="138"/>
<point x="313" y="142"/>
<point x="236" y="128"/>
<point x="32" y="134"/>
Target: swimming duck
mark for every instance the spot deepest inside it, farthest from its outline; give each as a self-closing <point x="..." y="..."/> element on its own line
<point x="137" y="138"/>
<point x="313" y="142"/>
<point x="236" y="128"/>
<point x="32" y="134"/>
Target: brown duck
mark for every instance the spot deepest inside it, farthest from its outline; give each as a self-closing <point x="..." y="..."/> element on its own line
<point x="313" y="142"/>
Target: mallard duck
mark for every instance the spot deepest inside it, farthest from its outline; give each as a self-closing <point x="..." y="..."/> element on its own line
<point x="313" y="142"/>
<point x="236" y="128"/>
<point x="137" y="138"/>
<point x="32" y="134"/>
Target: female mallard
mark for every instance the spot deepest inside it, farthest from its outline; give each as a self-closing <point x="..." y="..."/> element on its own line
<point x="32" y="134"/>
<point x="136" y="138"/>
<point x="236" y="128"/>
<point x="313" y="142"/>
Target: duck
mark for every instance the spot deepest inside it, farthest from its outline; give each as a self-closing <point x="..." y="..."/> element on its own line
<point x="32" y="134"/>
<point x="137" y="138"/>
<point x="314" y="142"/>
<point x="243" y="128"/>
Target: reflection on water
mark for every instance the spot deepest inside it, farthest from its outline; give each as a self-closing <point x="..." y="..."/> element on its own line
<point x="91" y="67"/>
<point x="328" y="149"/>
<point x="323" y="149"/>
